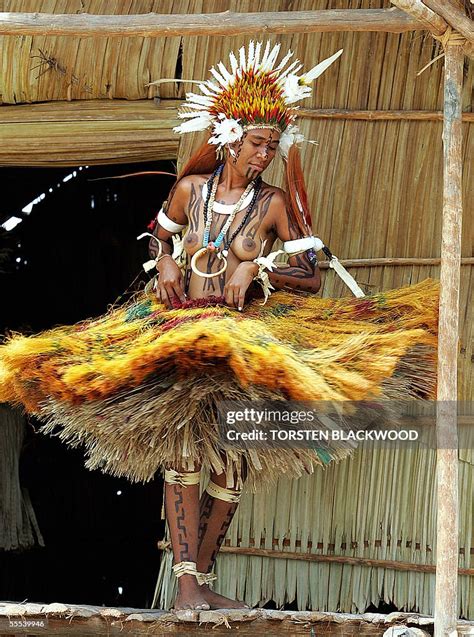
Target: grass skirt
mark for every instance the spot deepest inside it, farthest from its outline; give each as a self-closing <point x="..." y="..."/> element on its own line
<point x="139" y="387"/>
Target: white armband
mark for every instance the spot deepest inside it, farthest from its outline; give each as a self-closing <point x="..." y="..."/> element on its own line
<point x="169" y="225"/>
<point x="301" y="245"/>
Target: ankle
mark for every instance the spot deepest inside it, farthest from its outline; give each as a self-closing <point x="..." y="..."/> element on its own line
<point x="188" y="582"/>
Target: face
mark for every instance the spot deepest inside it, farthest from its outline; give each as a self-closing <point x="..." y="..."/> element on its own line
<point x="254" y="152"/>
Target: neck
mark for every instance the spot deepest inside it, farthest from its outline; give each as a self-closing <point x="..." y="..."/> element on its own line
<point x="231" y="179"/>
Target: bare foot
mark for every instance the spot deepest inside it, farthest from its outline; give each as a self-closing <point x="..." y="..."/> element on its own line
<point x="190" y="595"/>
<point x="220" y="601"/>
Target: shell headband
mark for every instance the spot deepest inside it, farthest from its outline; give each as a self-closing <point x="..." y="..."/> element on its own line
<point x="255" y="93"/>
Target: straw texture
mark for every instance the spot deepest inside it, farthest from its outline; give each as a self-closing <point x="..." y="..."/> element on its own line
<point x="140" y="386"/>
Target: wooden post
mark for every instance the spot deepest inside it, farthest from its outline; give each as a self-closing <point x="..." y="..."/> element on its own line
<point x="446" y="607"/>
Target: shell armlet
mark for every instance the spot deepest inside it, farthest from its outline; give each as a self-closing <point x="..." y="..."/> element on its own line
<point x="167" y="224"/>
<point x="301" y="245"/>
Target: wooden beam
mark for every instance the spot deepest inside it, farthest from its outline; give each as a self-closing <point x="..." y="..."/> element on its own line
<point x="87" y="132"/>
<point x="347" y="114"/>
<point x="226" y="23"/>
<point x="432" y="21"/>
<point x="446" y="605"/>
<point x="338" y="559"/>
<point x="454" y="16"/>
<point x="81" y="620"/>
<point x="422" y="13"/>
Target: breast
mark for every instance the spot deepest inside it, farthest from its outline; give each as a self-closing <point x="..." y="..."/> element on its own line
<point x="192" y="241"/>
<point x="246" y="248"/>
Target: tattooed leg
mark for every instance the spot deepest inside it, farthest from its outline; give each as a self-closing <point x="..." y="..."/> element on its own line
<point x="182" y="514"/>
<point x="215" y="518"/>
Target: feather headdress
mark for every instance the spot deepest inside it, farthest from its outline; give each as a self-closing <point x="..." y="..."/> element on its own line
<point x="255" y="92"/>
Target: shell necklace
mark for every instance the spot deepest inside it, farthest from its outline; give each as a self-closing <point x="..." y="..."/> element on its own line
<point x="214" y="246"/>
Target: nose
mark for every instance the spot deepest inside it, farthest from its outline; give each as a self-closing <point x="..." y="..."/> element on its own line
<point x="263" y="152"/>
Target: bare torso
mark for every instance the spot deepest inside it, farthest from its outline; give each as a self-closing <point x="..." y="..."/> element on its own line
<point x="255" y="238"/>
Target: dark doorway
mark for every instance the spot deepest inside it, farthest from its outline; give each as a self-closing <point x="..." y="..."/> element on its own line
<point x="73" y="255"/>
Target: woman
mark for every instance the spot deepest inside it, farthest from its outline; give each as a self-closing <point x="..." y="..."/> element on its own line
<point x="141" y="387"/>
<point x="198" y="529"/>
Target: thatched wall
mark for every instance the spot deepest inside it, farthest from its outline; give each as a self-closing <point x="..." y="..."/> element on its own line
<point x="380" y="504"/>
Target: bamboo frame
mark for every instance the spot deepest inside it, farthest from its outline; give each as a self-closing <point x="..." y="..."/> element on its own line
<point x="447" y="439"/>
<point x="227" y="23"/>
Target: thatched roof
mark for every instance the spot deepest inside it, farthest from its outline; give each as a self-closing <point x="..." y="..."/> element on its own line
<point x="378" y="70"/>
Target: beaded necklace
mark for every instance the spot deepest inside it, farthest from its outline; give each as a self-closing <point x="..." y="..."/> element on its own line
<point x="213" y="246"/>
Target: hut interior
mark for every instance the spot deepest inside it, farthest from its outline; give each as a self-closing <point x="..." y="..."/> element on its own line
<point x="363" y="531"/>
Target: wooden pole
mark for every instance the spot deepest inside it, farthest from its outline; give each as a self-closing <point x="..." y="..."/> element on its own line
<point x="446" y="607"/>
<point x="226" y="23"/>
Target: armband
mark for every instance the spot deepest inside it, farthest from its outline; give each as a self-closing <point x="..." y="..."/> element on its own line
<point x="166" y="223"/>
<point x="302" y="245"/>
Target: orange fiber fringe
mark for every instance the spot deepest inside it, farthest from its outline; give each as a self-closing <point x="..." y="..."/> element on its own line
<point x="140" y="386"/>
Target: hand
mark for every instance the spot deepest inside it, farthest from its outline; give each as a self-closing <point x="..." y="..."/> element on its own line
<point x="170" y="283"/>
<point x="238" y="284"/>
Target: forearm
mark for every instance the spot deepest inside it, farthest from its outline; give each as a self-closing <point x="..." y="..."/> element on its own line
<point x="166" y="244"/>
<point x="298" y="278"/>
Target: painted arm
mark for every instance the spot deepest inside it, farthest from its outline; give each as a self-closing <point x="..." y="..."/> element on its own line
<point x="170" y="283"/>
<point x="300" y="273"/>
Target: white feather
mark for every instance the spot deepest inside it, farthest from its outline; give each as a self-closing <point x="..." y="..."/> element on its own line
<point x="234" y="65"/>
<point x="257" y="55"/>
<point x="265" y="55"/>
<point x="204" y="89"/>
<point x="317" y="70"/>
<point x="200" y="99"/>
<point x="284" y="62"/>
<point x="292" y="69"/>
<point x="242" y="57"/>
<point x="228" y="78"/>
<point x="251" y="53"/>
<point x="196" y="124"/>
<point x="213" y="87"/>
<point x="273" y="56"/>
<point x="218" y="77"/>
<point x="196" y="107"/>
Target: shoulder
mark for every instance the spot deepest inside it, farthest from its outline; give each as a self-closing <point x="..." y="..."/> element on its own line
<point x="187" y="187"/>
<point x="275" y="198"/>
<point x="276" y="195"/>
<point x="190" y="182"/>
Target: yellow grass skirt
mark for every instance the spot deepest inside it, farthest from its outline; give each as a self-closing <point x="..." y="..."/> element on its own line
<point x="139" y="386"/>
